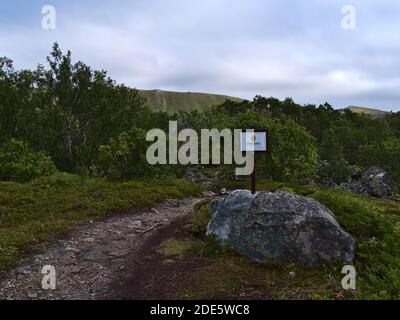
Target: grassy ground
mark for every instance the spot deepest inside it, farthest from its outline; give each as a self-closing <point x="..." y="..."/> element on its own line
<point x="33" y="212"/>
<point x="374" y="223"/>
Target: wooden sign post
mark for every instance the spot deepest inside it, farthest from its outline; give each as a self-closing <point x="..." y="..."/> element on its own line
<point x="254" y="140"/>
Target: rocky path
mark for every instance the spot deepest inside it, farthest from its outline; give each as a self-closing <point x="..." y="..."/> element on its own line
<point x="94" y="256"/>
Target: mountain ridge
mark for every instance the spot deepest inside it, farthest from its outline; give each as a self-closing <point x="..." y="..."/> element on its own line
<point x="174" y="101"/>
<point x="370" y="111"/>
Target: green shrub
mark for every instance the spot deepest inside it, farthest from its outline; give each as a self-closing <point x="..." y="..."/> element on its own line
<point x="125" y="156"/>
<point x="385" y="154"/>
<point x="59" y="179"/>
<point x="19" y="163"/>
<point x="338" y="170"/>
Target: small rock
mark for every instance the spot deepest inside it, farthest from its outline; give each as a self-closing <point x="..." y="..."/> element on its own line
<point x="329" y="183"/>
<point x="169" y="261"/>
<point x="92" y="256"/>
<point x="32" y="295"/>
<point x="72" y="249"/>
<point x="135" y="224"/>
<point x="292" y="274"/>
<point x="76" y="269"/>
<point x="114" y="231"/>
<point x="172" y="202"/>
<point x="118" y="253"/>
<point x="89" y="239"/>
<point x="208" y="194"/>
<point x="395" y="197"/>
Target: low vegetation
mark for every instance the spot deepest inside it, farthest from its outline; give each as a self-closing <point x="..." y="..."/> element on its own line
<point x="33" y="212"/>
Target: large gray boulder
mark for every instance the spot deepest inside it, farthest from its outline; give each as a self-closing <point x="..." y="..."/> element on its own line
<point x="374" y="182"/>
<point x="281" y="226"/>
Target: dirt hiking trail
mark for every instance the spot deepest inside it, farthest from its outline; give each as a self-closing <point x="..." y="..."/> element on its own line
<point x="101" y="260"/>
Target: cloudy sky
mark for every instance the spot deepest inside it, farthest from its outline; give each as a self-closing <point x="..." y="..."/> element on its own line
<point x="242" y="48"/>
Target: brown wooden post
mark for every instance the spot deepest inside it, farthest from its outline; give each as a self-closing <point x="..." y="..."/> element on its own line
<point x="253" y="177"/>
<point x="255" y="151"/>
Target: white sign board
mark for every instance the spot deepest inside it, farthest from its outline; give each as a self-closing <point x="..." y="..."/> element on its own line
<point x="255" y="141"/>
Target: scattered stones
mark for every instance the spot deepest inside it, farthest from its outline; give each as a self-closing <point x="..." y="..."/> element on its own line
<point x="196" y="176"/>
<point x="374" y="182"/>
<point x="281" y="226"/>
<point x="395" y="197"/>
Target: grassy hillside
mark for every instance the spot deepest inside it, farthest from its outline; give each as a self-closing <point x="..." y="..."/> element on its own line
<point x="171" y="102"/>
<point x="373" y="112"/>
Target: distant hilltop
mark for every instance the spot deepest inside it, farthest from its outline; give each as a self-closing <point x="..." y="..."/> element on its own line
<point x="370" y="111"/>
<point x="170" y="101"/>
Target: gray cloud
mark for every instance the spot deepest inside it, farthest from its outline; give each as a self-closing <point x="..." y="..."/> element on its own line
<point x="275" y="48"/>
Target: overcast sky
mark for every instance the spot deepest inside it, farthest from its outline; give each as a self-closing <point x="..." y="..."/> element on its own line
<point x="242" y="48"/>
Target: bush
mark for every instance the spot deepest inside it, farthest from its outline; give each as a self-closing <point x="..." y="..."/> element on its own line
<point x="59" y="179"/>
<point x="385" y="155"/>
<point x="338" y="170"/>
<point x="125" y="156"/>
<point x="19" y="163"/>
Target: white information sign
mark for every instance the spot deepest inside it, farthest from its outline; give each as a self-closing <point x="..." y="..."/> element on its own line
<point x="255" y="141"/>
